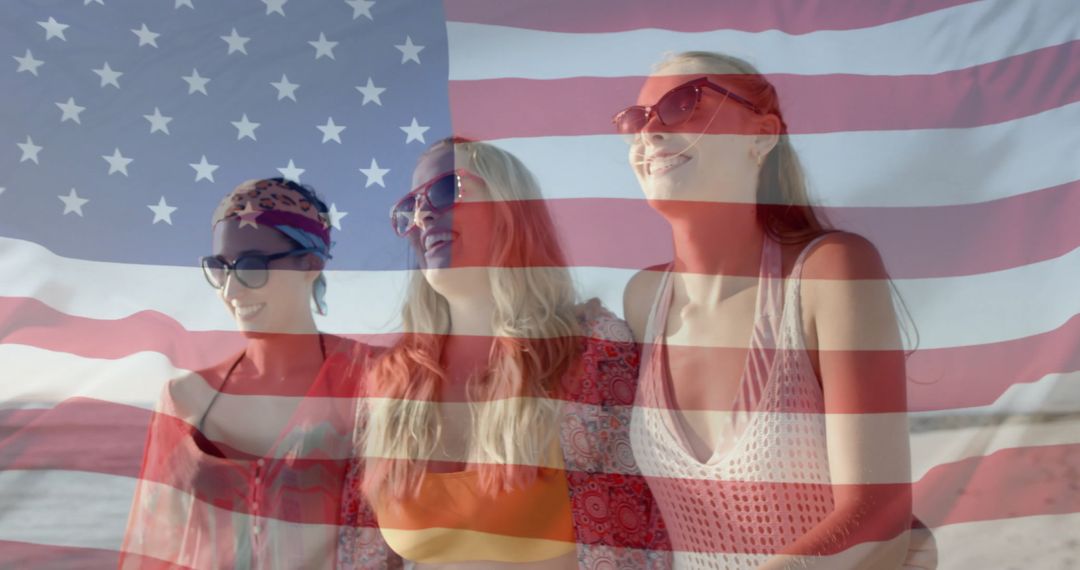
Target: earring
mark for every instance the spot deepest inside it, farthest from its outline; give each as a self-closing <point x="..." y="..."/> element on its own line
<point x="758" y="157"/>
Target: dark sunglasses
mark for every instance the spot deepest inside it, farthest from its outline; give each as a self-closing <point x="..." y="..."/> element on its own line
<point x="674" y="108"/>
<point x="439" y="194"/>
<point x="250" y="269"/>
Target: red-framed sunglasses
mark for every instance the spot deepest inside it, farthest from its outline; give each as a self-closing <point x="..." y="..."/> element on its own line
<point x="674" y="108"/>
<point x="439" y="193"/>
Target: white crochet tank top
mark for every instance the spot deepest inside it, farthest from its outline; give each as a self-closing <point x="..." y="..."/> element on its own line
<point x="767" y="482"/>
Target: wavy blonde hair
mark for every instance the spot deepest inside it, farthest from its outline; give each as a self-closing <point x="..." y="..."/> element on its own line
<point x="514" y="415"/>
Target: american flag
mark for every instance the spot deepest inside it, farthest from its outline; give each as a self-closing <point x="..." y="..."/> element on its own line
<point x="943" y="131"/>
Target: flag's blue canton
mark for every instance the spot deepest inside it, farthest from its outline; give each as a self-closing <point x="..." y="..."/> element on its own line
<point x="88" y="150"/>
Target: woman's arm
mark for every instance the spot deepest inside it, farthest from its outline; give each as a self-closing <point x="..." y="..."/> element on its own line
<point x="850" y="321"/>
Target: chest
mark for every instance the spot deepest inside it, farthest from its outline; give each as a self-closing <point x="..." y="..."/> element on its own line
<point x="247" y="423"/>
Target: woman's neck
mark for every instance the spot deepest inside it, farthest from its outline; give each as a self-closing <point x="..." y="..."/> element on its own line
<point x="281" y="355"/>
<point x="717" y="248"/>
<point x="467" y="347"/>
<point x="716" y="238"/>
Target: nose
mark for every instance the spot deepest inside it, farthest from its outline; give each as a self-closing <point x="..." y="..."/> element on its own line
<point x="231" y="286"/>
<point x="423" y="215"/>
<point x="653" y="129"/>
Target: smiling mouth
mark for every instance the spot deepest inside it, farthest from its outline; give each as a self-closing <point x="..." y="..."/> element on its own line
<point x="664" y="164"/>
<point x="247" y="312"/>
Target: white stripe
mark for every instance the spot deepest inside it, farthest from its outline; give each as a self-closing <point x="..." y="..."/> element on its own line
<point x="931" y="167"/>
<point x="948" y="311"/>
<point x="65" y="508"/>
<point x="1026" y="542"/>
<point x="90" y="510"/>
<point x="938" y="41"/>
<point x="49" y="377"/>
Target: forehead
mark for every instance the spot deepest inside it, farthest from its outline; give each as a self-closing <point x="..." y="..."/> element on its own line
<point x="676" y="74"/>
<point x="231" y="239"/>
<point x="435" y="163"/>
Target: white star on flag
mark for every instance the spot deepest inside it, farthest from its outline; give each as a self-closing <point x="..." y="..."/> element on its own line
<point x="236" y="42"/>
<point x="247" y="216"/>
<point x="414" y="132"/>
<point x="285" y="89"/>
<point x="158" y="122"/>
<point x="29" y="150"/>
<point x="204" y="170"/>
<point x="162" y="211"/>
<point x="180" y="3"/>
<point x="73" y="203"/>
<point x="323" y="46"/>
<point x="146" y="37"/>
<point x="371" y="93"/>
<point x="108" y="75"/>
<point x="291" y="172"/>
<point x="28" y="63"/>
<point x="374" y="174"/>
<point x="330" y="131"/>
<point x="88" y="2"/>
<point x="273" y="6"/>
<point x="54" y="29"/>
<point x="70" y="111"/>
<point x="245" y="128"/>
<point x="117" y="162"/>
<point x="409" y="51"/>
<point x="196" y="82"/>
<point x="335" y="216"/>
<point x="361" y="8"/>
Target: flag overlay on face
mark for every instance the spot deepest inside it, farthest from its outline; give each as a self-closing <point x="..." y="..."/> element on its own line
<point x="944" y="132"/>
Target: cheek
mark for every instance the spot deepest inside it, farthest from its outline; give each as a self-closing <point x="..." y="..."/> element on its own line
<point x="284" y="288"/>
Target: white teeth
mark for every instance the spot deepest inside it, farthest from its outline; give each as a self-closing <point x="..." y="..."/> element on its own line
<point x="247" y="310"/>
<point x="431" y="239"/>
<point x="661" y="163"/>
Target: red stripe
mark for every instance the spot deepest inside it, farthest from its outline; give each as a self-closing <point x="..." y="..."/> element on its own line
<point x="1011" y="483"/>
<point x="629" y="233"/>
<point x="78" y="434"/>
<point x="914" y="242"/>
<point x="986" y="94"/>
<point x="939" y="378"/>
<point x="599" y="16"/>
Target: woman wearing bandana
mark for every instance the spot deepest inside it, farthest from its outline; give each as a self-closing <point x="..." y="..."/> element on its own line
<point x="244" y="461"/>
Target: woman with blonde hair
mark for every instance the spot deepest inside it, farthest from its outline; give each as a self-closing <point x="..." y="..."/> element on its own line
<point x="495" y="431"/>
<point x="769" y="417"/>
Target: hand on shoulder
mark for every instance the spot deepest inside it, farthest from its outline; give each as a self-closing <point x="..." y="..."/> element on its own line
<point x="600" y="323"/>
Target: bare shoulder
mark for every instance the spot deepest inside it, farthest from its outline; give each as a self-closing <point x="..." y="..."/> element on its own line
<point x="188" y="395"/>
<point x="638" y="297"/>
<point x="846" y="295"/>
<point x="843" y="255"/>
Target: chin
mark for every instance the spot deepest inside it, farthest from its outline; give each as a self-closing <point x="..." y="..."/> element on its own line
<point x="457" y="281"/>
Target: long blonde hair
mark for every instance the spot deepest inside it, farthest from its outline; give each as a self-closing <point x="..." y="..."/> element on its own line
<point x="783" y="203"/>
<point x="513" y="408"/>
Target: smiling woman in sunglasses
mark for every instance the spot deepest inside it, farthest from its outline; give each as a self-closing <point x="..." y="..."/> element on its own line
<point x="770" y="413"/>
<point x="496" y="432"/>
<point x="245" y="461"/>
